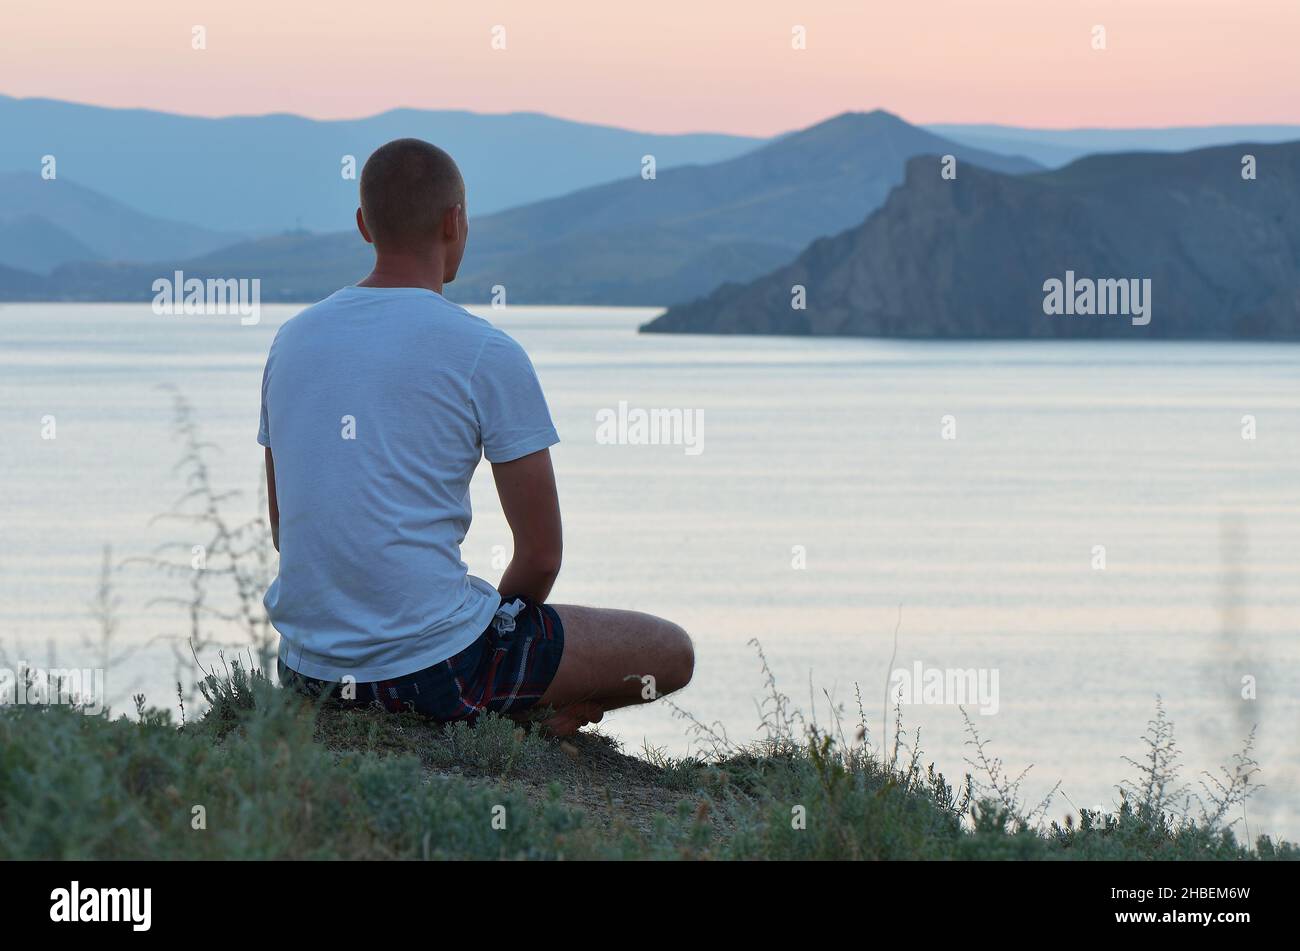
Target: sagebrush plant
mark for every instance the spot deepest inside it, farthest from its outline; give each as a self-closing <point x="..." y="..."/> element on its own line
<point x="237" y="557"/>
<point x="231" y="692"/>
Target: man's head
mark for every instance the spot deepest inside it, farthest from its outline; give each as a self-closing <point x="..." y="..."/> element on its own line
<point x="413" y="203"/>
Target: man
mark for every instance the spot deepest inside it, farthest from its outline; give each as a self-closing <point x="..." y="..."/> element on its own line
<point x="377" y="404"/>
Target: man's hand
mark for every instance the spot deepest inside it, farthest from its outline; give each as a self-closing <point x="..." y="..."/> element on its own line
<point x="532" y="509"/>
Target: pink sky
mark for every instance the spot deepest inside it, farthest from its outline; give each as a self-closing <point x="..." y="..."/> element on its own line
<point x="672" y="66"/>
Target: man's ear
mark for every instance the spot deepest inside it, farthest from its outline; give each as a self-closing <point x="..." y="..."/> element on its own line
<point x="451" y="225"/>
<point x="361" y="226"/>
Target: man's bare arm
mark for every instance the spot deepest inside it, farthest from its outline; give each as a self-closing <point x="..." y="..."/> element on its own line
<point x="272" y="502"/>
<point x="532" y="509"/>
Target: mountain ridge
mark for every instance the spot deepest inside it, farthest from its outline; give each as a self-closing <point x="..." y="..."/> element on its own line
<point x="968" y="258"/>
<point x="630" y="242"/>
<point x="44" y="223"/>
<point x="265" y="173"/>
<point x="1054" y="148"/>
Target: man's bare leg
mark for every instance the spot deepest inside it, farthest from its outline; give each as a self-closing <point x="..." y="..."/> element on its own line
<point x="613" y="659"/>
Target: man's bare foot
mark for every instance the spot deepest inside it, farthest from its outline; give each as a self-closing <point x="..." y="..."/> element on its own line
<point x="572" y="718"/>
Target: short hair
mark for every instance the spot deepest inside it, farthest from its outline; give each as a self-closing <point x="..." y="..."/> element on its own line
<point x="406" y="186"/>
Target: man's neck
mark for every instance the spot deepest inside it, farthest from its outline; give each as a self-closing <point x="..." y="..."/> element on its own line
<point x="390" y="270"/>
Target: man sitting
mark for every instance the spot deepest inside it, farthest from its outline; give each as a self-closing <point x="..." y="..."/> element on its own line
<point x="377" y="404"/>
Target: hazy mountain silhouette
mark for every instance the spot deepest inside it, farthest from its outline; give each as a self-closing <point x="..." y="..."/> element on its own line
<point x="17" y="284"/>
<point x="688" y="230"/>
<point x="1053" y="148"/>
<point x="634" y="241"/>
<point x="33" y="243"/>
<point x="266" y="174"/>
<point x="44" y="223"/>
<point x="969" y="258"/>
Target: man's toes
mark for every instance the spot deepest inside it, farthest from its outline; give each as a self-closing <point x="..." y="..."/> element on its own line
<point x="570" y="719"/>
<point x="560" y="726"/>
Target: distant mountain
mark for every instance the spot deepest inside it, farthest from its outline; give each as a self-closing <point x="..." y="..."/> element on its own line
<point x="44" y="223"/>
<point x="296" y="267"/>
<point x="970" y="257"/>
<point x="17" y="284"/>
<point x="32" y="243"/>
<point x="1053" y="148"/>
<point x="266" y="174"/>
<point x="635" y="241"/>
<point x="647" y="242"/>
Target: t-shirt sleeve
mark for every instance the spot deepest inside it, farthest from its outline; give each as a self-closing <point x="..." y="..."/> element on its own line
<point x="513" y="418"/>
<point x="264" y="429"/>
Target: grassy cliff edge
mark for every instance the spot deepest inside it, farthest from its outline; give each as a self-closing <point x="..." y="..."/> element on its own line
<point x="266" y="775"/>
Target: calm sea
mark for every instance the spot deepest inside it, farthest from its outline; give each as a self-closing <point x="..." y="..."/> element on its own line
<point x="824" y="509"/>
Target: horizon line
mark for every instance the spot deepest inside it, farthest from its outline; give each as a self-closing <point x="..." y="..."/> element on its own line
<point x="624" y="128"/>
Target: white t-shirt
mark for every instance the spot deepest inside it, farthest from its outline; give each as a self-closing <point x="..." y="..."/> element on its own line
<point x="377" y="404"/>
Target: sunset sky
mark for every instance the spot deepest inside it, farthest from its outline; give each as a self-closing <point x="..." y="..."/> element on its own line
<point x="672" y="66"/>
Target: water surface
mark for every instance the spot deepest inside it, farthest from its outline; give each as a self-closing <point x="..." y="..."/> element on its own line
<point x="986" y="541"/>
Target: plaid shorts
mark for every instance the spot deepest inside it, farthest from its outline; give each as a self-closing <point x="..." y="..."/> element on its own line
<point x="506" y="670"/>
